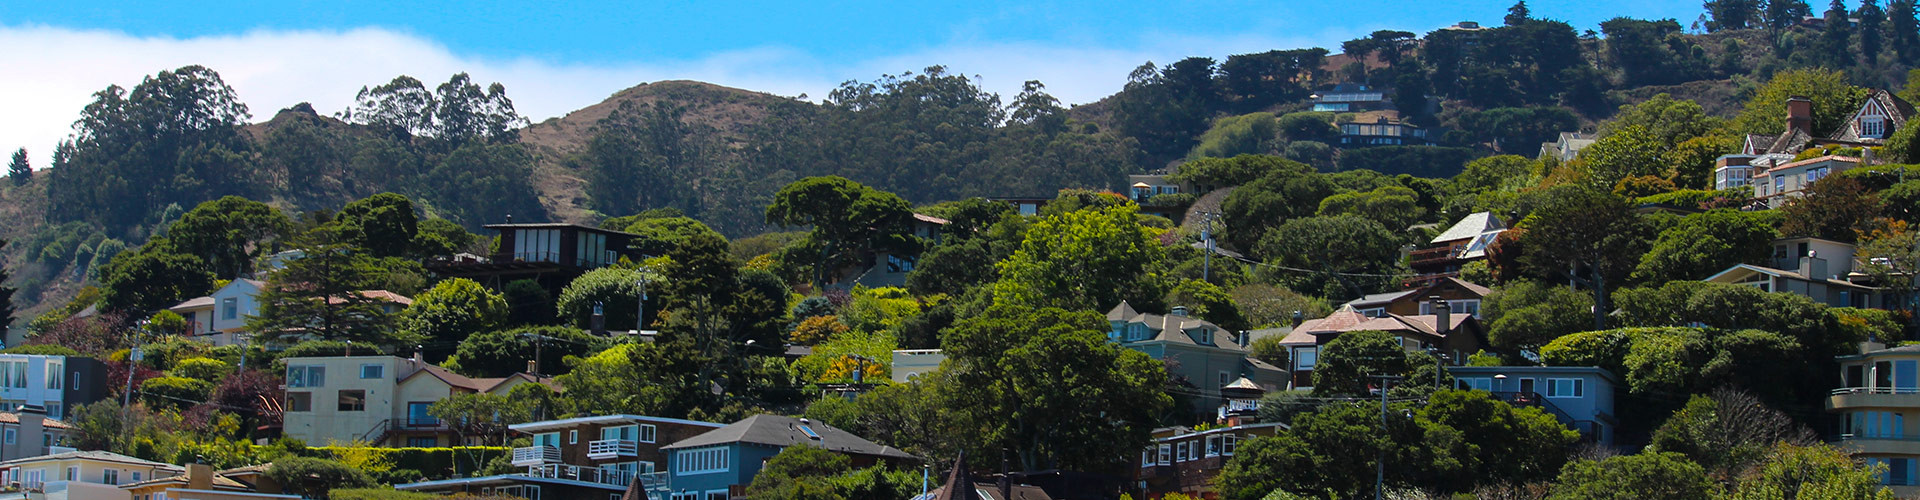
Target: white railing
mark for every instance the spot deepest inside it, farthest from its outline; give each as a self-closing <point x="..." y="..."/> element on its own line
<point x="653" y="480"/>
<point x="610" y="448"/>
<point x="535" y="455"/>
<point x="599" y="475"/>
<point x="1876" y="390"/>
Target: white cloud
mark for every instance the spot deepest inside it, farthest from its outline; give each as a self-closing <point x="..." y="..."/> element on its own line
<point x="52" y="72"/>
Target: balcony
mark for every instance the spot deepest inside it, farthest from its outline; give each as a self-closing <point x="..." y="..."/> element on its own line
<point x="426" y="424"/>
<point x="1874" y="397"/>
<point x="1436" y="255"/>
<point x="1880" y="444"/>
<point x="535" y="455"/>
<point x="612" y="448"/>
<point x="598" y="475"/>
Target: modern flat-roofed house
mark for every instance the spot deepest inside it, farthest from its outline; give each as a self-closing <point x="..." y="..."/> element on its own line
<point x="1579" y="396"/>
<point x="1879" y="388"/>
<point x="1381" y="131"/>
<point x="53" y="383"/>
<point x="551" y="254"/>
<point x="1454" y="335"/>
<point x="720" y="463"/>
<point x="586" y="457"/>
<point x="79" y="475"/>
<point x="883" y="269"/>
<point x="1349" y="98"/>
<point x="1819" y="269"/>
<point x="910" y="363"/>
<point x="378" y="399"/>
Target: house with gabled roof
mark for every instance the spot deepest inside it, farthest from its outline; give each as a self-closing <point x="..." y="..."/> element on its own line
<point x="1208" y="358"/>
<point x="601" y="456"/>
<point x="1819" y="269"/>
<point x="1464" y="297"/>
<point x="1768" y="164"/>
<point x="1454" y="335"/>
<point x="1465" y="241"/>
<point x="721" y="463"/>
<point x="378" y="399"/>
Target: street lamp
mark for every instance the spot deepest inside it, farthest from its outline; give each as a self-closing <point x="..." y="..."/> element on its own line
<point x="1499" y="382"/>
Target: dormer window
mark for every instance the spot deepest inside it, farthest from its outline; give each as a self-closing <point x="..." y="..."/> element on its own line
<point x="1873" y="126"/>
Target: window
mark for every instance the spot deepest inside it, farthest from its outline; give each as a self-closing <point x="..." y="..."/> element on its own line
<point x="1180" y="452"/>
<point x="373" y="371"/>
<point x="1817" y="174"/>
<point x="423" y="442"/>
<point x="717" y="495"/>
<point x="73" y="474"/>
<point x="354" y="400"/>
<point x="546" y="439"/>
<point x="573" y="436"/>
<point x="898" y="264"/>
<point x="110" y="476"/>
<point x="1226" y="445"/>
<point x="76" y="381"/>
<point x="230" y="308"/>
<point x="306" y="376"/>
<point x="1470" y="307"/>
<point x="1373" y="312"/>
<point x="1873" y="126"/>
<point x="1146" y="457"/>
<point x="1225" y="378"/>
<point x="136" y="476"/>
<point x="1213" y="446"/>
<point x="1166" y="455"/>
<point x="648" y="433"/>
<point x="417" y="415"/>
<point x="56" y="372"/>
<point x="1303" y="358"/>
<point x="1476" y="383"/>
<point x="12" y="436"/>
<point x="618" y="432"/>
<point x="1528" y="385"/>
<point x="1565" y="387"/>
<point x="299" y="401"/>
<point x="1779" y="184"/>
<point x="700" y="461"/>
<point x="16" y="372"/>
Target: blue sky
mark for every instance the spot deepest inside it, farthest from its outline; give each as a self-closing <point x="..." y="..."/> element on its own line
<point x="556" y="58"/>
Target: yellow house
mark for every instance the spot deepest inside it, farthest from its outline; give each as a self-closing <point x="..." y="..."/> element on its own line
<point x="202" y="483"/>
<point x="381" y="400"/>
<point x="78" y="475"/>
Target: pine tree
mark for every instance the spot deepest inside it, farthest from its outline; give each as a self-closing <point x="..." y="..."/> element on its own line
<point x="1783" y="14"/>
<point x="19" y="171"/>
<point x="1903" y="31"/>
<point x="1732" y="14"/>
<point x="1872" y="19"/>
<point x="1518" y="14"/>
<point x="1835" y="37"/>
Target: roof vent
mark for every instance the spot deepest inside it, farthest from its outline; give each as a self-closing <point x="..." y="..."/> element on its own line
<point x="1180" y="311"/>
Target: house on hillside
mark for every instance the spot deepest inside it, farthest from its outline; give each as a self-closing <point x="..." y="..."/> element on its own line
<point x="883" y="269"/>
<point x="1186" y="460"/>
<point x="1819" y="269"/>
<point x="1567" y="145"/>
<point x="551" y="254"/>
<point x="1462" y="296"/>
<point x="78" y="475"/>
<point x="1766" y="162"/>
<point x="201" y="482"/>
<point x="53" y="383"/>
<point x="720" y="463"/>
<point x="1380" y="129"/>
<point x="1465" y="241"/>
<point x="1454" y="335"/>
<point x="1579" y="396"/>
<point x="1877" y="391"/>
<point x="1208" y="357"/>
<point x="378" y="399"/>
<point x="29" y="433"/>
<point x="221" y="317"/>
<point x="1351" y="98"/>
<point x="586" y="457"/>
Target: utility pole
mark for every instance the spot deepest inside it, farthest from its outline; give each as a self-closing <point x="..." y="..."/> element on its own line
<point x="1380" y="466"/>
<point x="1206" y="235"/>
<point x="640" y="306"/>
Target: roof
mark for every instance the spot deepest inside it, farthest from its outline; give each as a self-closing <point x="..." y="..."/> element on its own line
<point x="1349" y="320"/>
<point x="381" y="295"/>
<point x="988" y="491"/>
<point x="781" y="431"/>
<point x="1159" y="325"/>
<point x="1898" y="110"/>
<point x="1379" y="299"/>
<point x="531" y="427"/>
<point x="14" y="418"/>
<point x="930" y="219"/>
<point x="103" y="456"/>
<point x="554" y="225"/>
<point x="1811" y="161"/>
<point x="193" y="303"/>
<point x="1473" y="225"/>
<point x="1734" y="271"/>
<point x="1569" y="370"/>
<point x="220" y="482"/>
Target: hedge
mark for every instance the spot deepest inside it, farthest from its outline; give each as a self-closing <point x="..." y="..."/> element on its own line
<point x="435" y="463"/>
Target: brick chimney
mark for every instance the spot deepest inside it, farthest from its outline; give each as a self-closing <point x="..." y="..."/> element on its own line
<point x="1800" y="114"/>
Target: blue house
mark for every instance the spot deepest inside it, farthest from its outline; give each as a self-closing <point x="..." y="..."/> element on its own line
<point x="719" y="464"/>
<point x="1580" y="396"/>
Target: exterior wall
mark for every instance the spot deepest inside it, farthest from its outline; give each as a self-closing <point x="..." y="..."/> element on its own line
<point x="1790" y="254"/>
<point x="325" y="422"/>
<point x="91" y="473"/>
<point x="44" y="387"/>
<point x="1790" y="180"/>
<point x="1878" y="410"/>
<point x="908" y="364"/>
<point x="1591" y="412"/>
<point x="186" y="494"/>
<point x="1194" y="475"/>
<point x="420" y="388"/>
<point x="246" y="301"/>
<point x="31" y="440"/>
<point x="744" y="460"/>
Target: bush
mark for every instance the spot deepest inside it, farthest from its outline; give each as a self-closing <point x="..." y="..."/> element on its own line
<point x="330" y="348"/>
<point x="207" y="369"/>
<point x="41" y="349"/>
<point x="175" y="392"/>
<point x="433" y="463"/>
<point x="1171" y="200"/>
<point x="314" y="477"/>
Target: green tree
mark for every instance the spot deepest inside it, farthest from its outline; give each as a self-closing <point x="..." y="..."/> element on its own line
<point x="18" y="170"/>
<point x="1518" y="14"/>
<point x="1903" y="31"/>
<point x="1870" y="19"/>
<point x="1082" y="260"/>
<point x="1208" y="302"/>
<point x="1526" y="315"/>
<point x="320" y="295"/>
<point x="499" y="353"/>
<point x="1342" y="256"/>
<point x="383" y="224"/>
<point x="1587" y="236"/>
<point x="1833" y="100"/>
<point x="482" y="415"/>
<point x="1231" y="136"/>
<point x="1833" y="208"/>
<point x="1835" y="36"/>
<point x="438" y="237"/>
<point x="1348" y="360"/>
<point x="1892" y="258"/>
<point x="1812" y="471"/>
<point x="229" y="233"/>
<point x="1705" y="243"/>
<point x="800" y="472"/>
<point x="529" y="302"/>
<point x="661" y="235"/>
<point x="1008" y="362"/>
<point x="848" y="220"/>
<point x="953" y="267"/>
<point x="314" y="477"/>
<point x="453" y="310"/>
<point x="1258" y="206"/>
<point x="1646" y="475"/>
<point x="1391" y="206"/>
<point x="1732" y="14"/>
<point x="1267" y="305"/>
<point x="1782" y="14"/>
<point x="615" y="291"/>
<point x="1728" y="433"/>
<point x="153" y="277"/>
<point x="176" y="393"/>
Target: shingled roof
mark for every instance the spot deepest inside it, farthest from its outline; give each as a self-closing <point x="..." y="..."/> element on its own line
<point x="781" y="431"/>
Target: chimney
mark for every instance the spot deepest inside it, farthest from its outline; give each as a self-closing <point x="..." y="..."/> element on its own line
<point x="1180" y="311"/>
<point x="32" y="427"/>
<point x="533" y="366"/>
<point x="1800" y="114"/>
<point x="1443" y="315"/>
<point x="199" y="477"/>
<point x="1813" y="267"/>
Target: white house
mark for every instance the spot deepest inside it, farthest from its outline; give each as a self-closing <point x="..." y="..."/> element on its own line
<point x="221" y="316"/>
